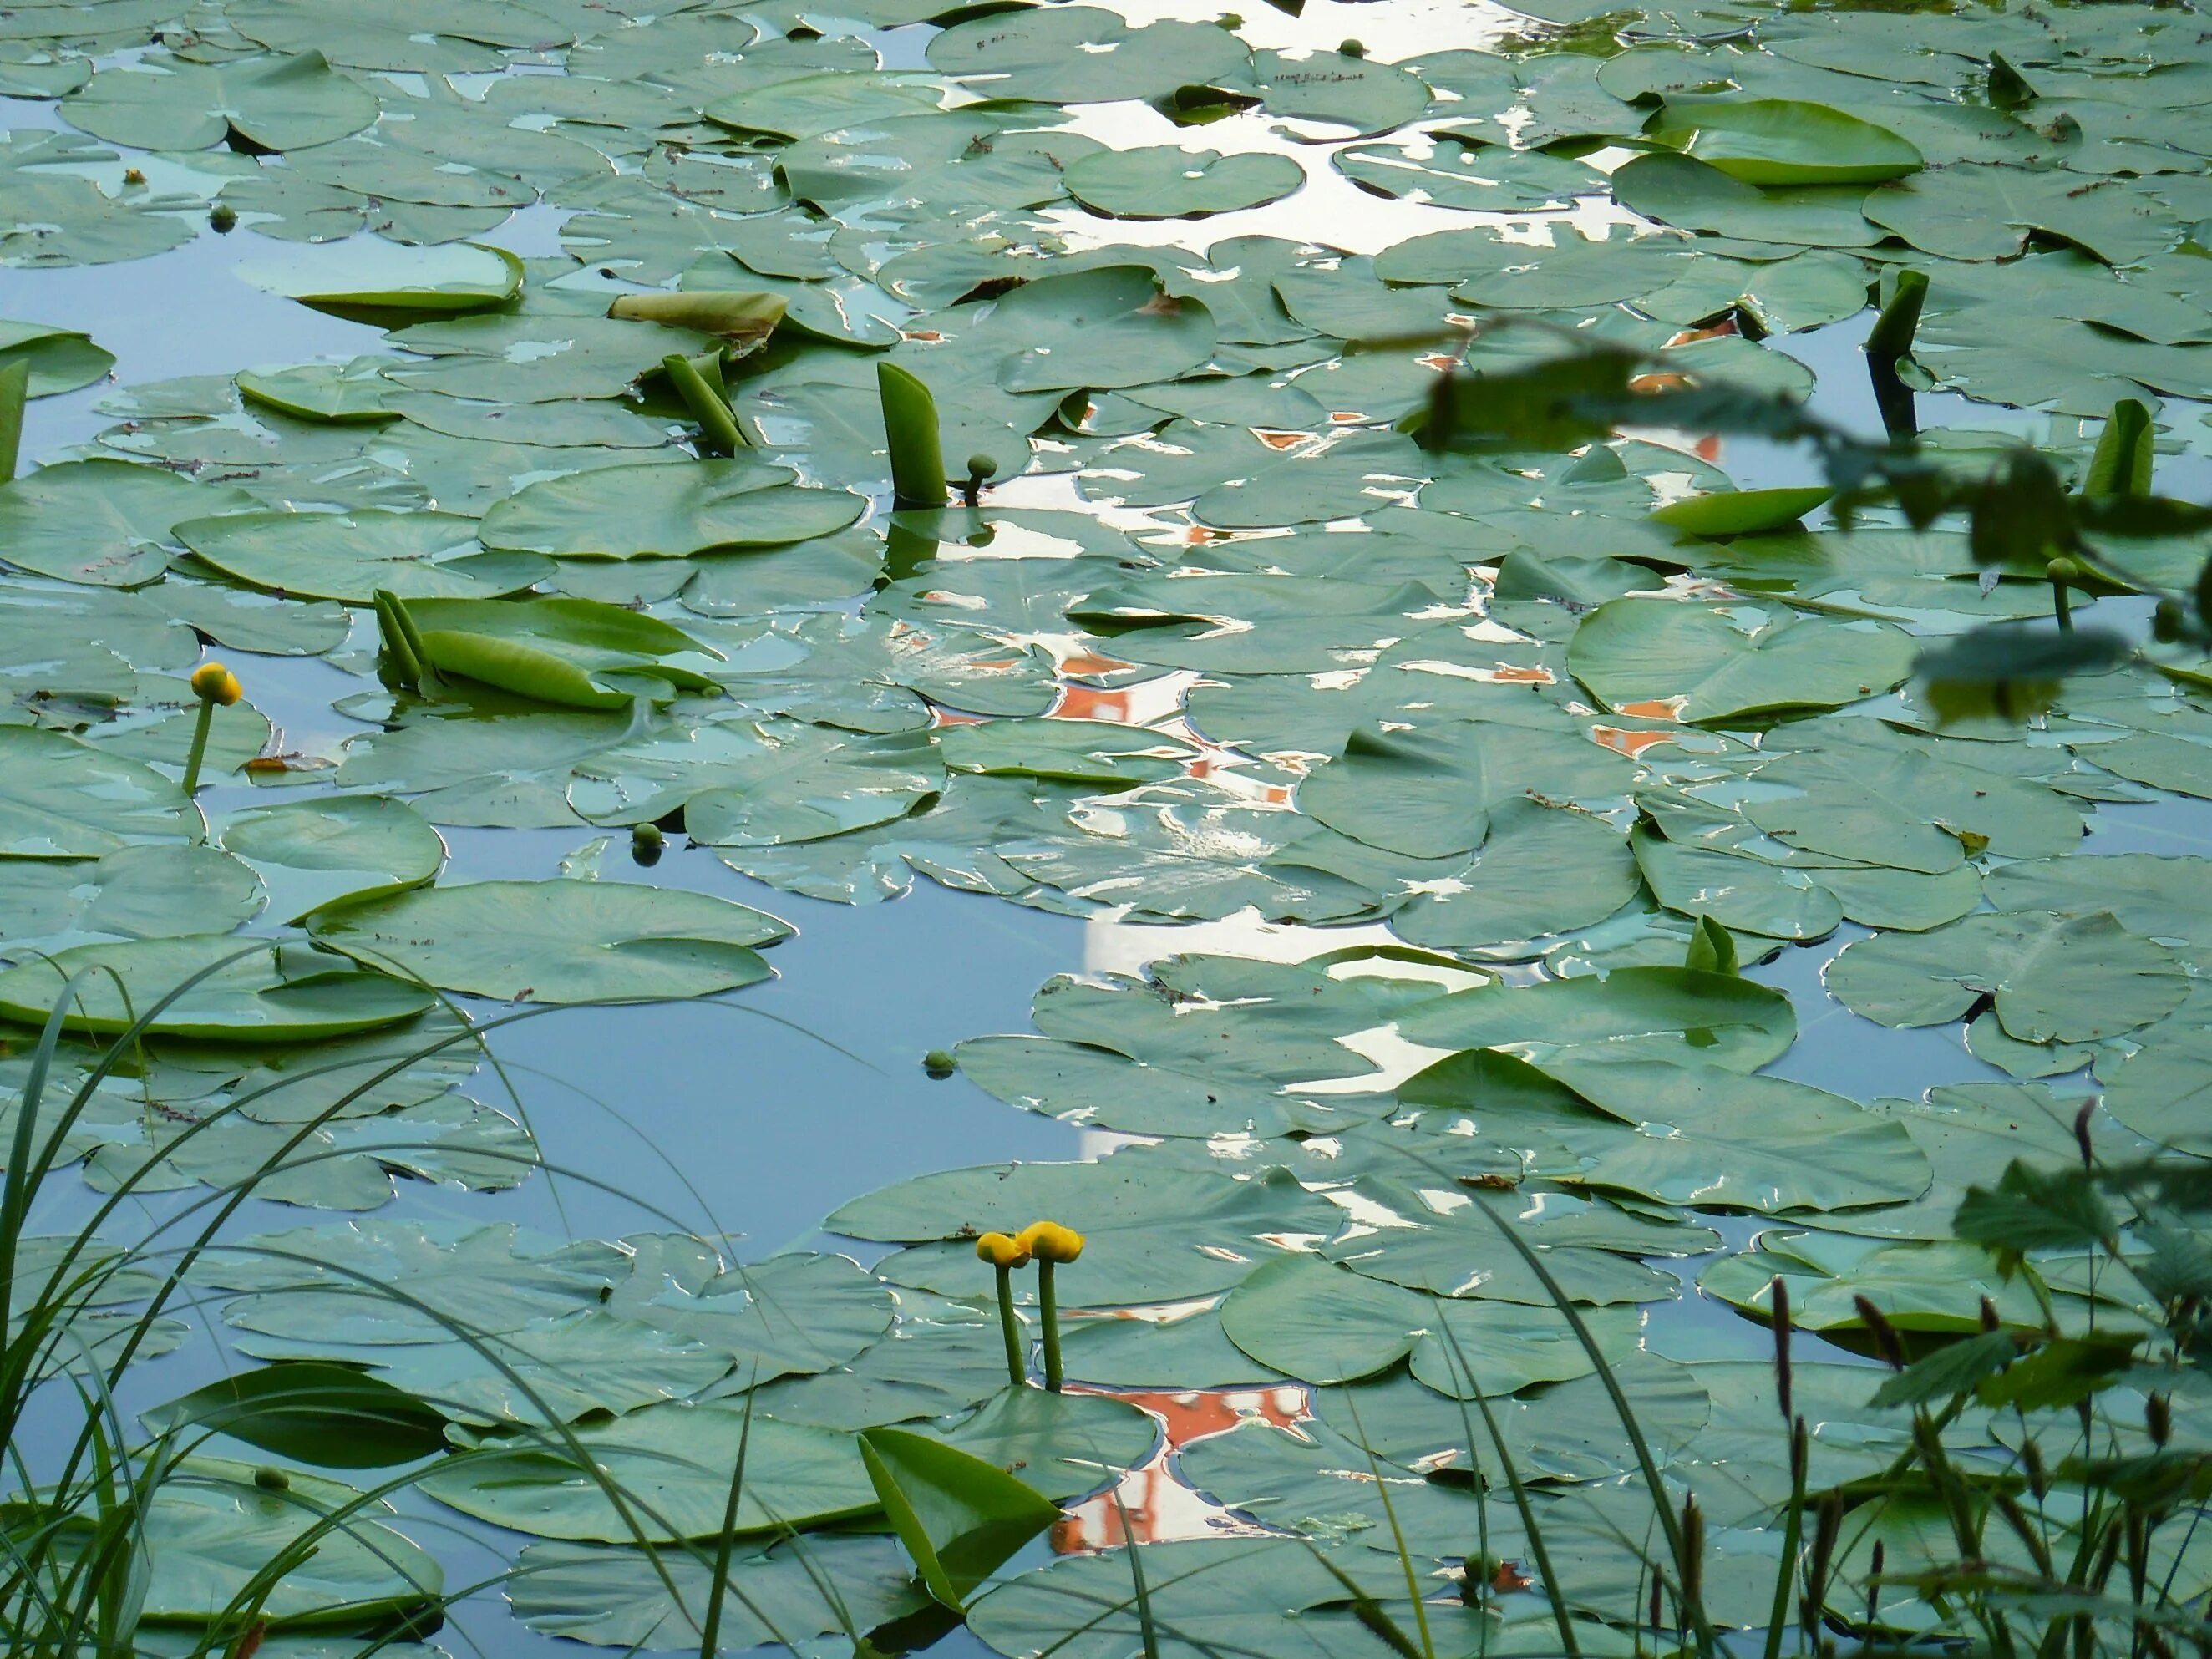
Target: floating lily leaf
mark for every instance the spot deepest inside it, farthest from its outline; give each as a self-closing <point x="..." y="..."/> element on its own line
<point x="1346" y="92"/>
<point x="1094" y="752"/>
<point x="65" y="799"/>
<point x="350" y="555"/>
<point x="621" y="1598"/>
<point x="1748" y="895"/>
<point x="665" y="510"/>
<point x="271" y="994"/>
<point x="958" y="1515"/>
<point x="136" y="892"/>
<point x="1680" y="191"/>
<point x="100" y="521"/>
<point x="1084" y="54"/>
<point x="60" y="359"/>
<point x="2068" y="979"/>
<point x="673" y="1464"/>
<point x="211" y="1528"/>
<point x="1780" y="140"/>
<point x="395" y="285"/>
<point x="1156" y="1233"/>
<point x="1160" y="181"/>
<point x="1459" y="171"/>
<point x="806" y="782"/>
<point x="1676" y="1014"/>
<point x="1895" y="804"/>
<point x="1111" y="327"/>
<point x="172" y="103"/>
<point x="1542" y="870"/>
<point x="1572" y="269"/>
<point x="318" y="852"/>
<point x="557" y="941"/>
<point x="1699" y="663"/>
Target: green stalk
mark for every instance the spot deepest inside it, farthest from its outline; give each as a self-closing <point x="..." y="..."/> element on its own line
<point x="1049" y="1307"/>
<point x="717" y="427"/>
<point x="1017" y="1372"/>
<point x="200" y="729"/>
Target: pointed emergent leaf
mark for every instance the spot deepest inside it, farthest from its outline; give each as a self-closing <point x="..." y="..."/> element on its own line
<point x="14" y="387"/>
<point x="958" y="1516"/>
<point x="313" y="1412"/>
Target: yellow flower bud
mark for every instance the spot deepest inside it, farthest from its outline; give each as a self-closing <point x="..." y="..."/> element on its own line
<point x="213" y="683"/>
<point x="1001" y="1251"/>
<point x="1047" y="1241"/>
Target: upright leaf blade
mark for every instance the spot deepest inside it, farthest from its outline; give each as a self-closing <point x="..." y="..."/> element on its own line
<point x="958" y="1516"/>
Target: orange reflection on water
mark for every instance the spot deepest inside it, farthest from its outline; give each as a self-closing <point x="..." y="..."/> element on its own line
<point x="1158" y="1506"/>
<point x="1510" y="674"/>
<point x="1622" y="741"/>
<point x="1654" y="709"/>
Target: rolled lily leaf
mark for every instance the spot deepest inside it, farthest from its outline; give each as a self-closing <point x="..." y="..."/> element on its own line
<point x="958" y="1516"/>
<point x="2122" y="463"/>
<point x="575" y="653"/>
<point x="717" y="427"/>
<point x="910" y="427"/>
<point x="745" y="319"/>
<point x="1740" y="512"/>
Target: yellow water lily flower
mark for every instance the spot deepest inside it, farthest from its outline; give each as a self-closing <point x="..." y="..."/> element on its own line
<point x="213" y="683"/>
<point x="1047" y="1241"/>
<point x="1002" y="1251"/>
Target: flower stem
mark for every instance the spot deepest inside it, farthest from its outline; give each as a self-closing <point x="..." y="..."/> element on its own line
<point x="1048" y="1310"/>
<point x="1016" y="1370"/>
<point x="199" y="747"/>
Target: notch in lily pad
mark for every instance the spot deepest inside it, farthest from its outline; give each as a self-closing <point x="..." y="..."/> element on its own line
<point x="959" y="1517"/>
<point x="910" y="431"/>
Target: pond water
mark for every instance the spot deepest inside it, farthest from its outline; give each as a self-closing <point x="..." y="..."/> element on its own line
<point x="1376" y="787"/>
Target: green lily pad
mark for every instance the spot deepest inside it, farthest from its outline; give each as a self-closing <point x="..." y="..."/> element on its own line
<point x="1085" y="54"/>
<point x="315" y="853"/>
<point x="673" y="1464"/>
<point x="161" y="102"/>
<point x="60" y="798"/>
<point x="270" y="993"/>
<point x="352" y="392"/>
<point x="557" y="941"/>
<point x="350" y="555"/>
<point x="397" y="285"/>
<point x="618" y="1597"/>
<point x="1782" y="141"/>
<point x="102" y="522"/>
<point x="2067" y="978"/>
<point x="1160" y="181"/>
<point x="136" y="892"/>
<point x="1678" y="1014"/>
<point x="1690" y="195"/>
<point x="61" y="359"/>
<point x="211" y="1527"/>
<point x="1699" y="663"/>
<point x="665" y="510"/>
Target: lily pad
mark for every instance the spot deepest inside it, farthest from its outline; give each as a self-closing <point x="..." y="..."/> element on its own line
<point x="60" y="798"/>
<point x="161" y="102"/>
<point x="315" y="853"/>
<point x="270" y="994"/>
<point x="2066" y="979"/>
<point x="557" y="941"/>
<point x="102" y="522"/>
<point x="666" y="511"/>
<point x="350" y="555"/>
<point x="1782" y="141"/>
<point x="1160" y="181"/>
<point x="61" y="359"/>
<point x="1699" y="663"/>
